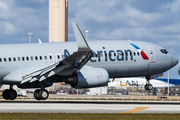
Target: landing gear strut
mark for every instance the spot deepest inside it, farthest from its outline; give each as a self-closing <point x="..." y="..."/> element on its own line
<point x="9" y="94"/>
<point x="148" y="86"/>
<point x="41" y="94"/>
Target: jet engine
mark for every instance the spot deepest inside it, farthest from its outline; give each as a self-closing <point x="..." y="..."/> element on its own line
<point x="87" y="78"/>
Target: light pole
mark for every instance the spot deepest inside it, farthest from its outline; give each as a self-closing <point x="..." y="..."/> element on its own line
<point x="86" y="33"/>
<point x="30" y="36"/>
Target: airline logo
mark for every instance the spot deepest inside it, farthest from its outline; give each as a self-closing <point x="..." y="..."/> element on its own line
<point x="144" y="56"/>
<point x="110" y="55"/>
<point x="129" y="83"/>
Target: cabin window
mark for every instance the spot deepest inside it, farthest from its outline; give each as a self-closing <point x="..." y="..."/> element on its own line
<point x="4" y="59"/>
<point x="50" y="57"/>
<point x="45" y="57"/>
<point x="95" y="55"/>
<point x="101" y="55"/>
<point x="115" y="54"/>
<point x="19" y="59"/>
<point x="31" y="57"/>
<point x="9" y="59"/>
<point x="58" y="56"/>
<point x="14" y="58"/>
<point x="62" y="56"/>
<point x="0" y="60"/>
<point x="22" y="59"/>
<point x="105" y="54"/>
<point x="134" y="54"/>
<point x="36" y="57"/>
<point x="138" y="53"/>
<point x="130" y="54"/>
<point x="126" y="54"/>
<point x="40" y="57"/>
<point x="27" y="58"/>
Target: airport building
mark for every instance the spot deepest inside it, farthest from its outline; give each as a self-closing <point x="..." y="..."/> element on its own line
<point x="58" y="20"/>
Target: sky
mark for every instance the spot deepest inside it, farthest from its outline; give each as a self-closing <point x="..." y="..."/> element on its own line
<point x="155" y="21"/>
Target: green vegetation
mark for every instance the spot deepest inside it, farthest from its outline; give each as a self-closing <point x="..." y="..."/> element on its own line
<point x="81" y="116"/>
<point x="179" y="71"/>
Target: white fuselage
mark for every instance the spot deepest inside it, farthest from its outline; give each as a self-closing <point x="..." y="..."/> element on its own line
<point x="119" y="58"/>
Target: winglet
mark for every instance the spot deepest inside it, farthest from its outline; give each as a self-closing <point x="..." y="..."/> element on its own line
<point x="39" y="41"/>
<point x="81" y="42"/>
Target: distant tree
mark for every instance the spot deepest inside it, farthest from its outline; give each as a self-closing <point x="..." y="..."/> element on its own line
<point x="179" y="71"/>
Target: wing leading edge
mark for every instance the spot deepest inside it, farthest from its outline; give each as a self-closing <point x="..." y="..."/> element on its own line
<point x="70" y="64"/>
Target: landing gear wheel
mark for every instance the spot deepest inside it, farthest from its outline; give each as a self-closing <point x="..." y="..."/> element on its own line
<point x="148" y="87"/>
<point x="36" y="94"/>
<point x="6" y="94"/>
<point x="9" y="94"/>
<point x="12" y="94"/>
<point x="43" y="94"/>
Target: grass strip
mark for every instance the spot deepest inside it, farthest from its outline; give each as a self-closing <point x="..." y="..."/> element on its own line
<point x="86" y="116"/>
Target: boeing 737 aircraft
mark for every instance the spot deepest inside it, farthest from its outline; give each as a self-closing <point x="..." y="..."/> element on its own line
<point x="81" y="65"/>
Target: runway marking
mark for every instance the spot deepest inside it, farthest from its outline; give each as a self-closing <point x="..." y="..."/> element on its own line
<point x="136" y="110"/>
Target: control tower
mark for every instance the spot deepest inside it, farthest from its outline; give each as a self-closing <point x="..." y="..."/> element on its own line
<point x="58" y="20"/>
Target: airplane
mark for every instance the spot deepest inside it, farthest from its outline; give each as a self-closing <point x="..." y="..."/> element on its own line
<point x="84" y="65"/>
<point x="123" y="83"/>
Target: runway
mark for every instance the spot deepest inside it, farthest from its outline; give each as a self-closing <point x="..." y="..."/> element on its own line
<point x="86" y="107"/>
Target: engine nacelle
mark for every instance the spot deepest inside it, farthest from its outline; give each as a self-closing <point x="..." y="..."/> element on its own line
<point x="87" y="78"/>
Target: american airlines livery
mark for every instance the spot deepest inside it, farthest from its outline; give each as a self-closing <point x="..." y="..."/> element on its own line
<point x="81" y="65"/>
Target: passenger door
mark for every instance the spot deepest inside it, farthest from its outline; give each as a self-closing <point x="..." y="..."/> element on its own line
<point x="152" y="54"/>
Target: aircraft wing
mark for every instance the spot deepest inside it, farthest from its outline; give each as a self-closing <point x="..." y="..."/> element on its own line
<point x="70" y="64"/>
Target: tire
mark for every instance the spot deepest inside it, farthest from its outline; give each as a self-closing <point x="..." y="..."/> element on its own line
<point x="150" y="87"/>
<point x="146" y="87"/>
<point x="12" y="94"/>
<point x="43" y="94"/>
<point x="6" y="94"/>
<point x="36" y="94"/>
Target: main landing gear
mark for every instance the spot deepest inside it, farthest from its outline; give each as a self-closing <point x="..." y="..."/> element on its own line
<point x="148" y="86"/>
<point x="41" y="94"/>
<point x="9" y="94"/>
